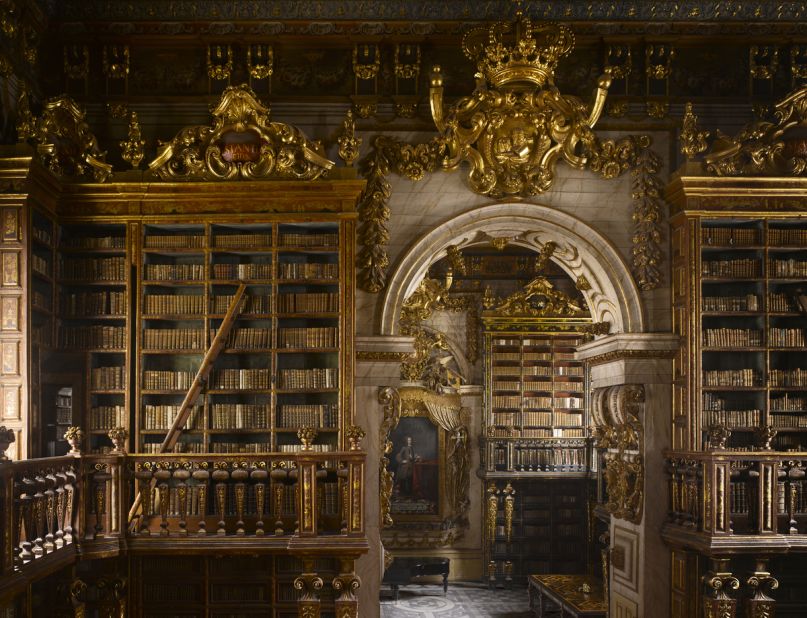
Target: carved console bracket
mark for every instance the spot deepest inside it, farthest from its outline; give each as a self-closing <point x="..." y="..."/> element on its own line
<point x="617" y="416"/>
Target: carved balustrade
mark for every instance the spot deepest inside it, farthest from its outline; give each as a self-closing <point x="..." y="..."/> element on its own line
<point x="261" y="496"/>
<point x="303" y="503"/>
<point x="39" y="513"/>
<point x="720" y="500"/>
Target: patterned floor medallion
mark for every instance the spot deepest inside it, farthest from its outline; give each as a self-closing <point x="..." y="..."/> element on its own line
<point x="462" y="601"/>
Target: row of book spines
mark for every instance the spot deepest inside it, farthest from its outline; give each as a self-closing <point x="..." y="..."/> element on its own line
<point x="788" y="403"/>
<point x="537" y="370"/>
<point x="529" y="456"/>
<point x="788" y="268"/>
<point x="789" y="421"/>
<point x="108" y="378"/>
<point x="731" y="377"/>
<point x="42" y="235"/>
<point x="238" y="241"/>
<point x="237" y="379"/>
<point x="322" y="337"/>
<point x="241" y="271"/>
<point x="174" y="338"/>
<point x="544" y="342"/>
<point x="746" y="267"/>
<point x="724" y="337"/>
<point x="309" y="378"/>
<point x="40" y="265"/>
<point x="107" y="417"/>
<point x="749" y="302"/>
<point x="102" y="337"/>
<point x="94" y="242"/>
<point x="787" y="377"/>
<point x="301" y="415"/>
<point x="94" y="269"/>
<point x="163" y="417"/>
<point x="786" y="337"/>
<point x="734" y="418"/>
<point x="195" y="304"/>
<point x="89" y="304"/>
<point x="745" y="237"/>
<point x="776" y="303"/>
<point x="311" y="270"/>
<point x="533" y="356"/>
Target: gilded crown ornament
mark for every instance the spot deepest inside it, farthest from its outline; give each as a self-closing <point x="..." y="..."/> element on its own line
<point x="516" y="125"/>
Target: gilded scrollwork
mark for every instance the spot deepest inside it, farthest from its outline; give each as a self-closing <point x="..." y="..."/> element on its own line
<point x="241" y="143"/>
<point x="132" y="146"/>
<point x="693" y="140"/>
<point x="516" y="125"/>
<point x="618" y="429"/>
<point x="349" y="144"/>
<point x="65" y="143"/>
<point x="765" y="148"/>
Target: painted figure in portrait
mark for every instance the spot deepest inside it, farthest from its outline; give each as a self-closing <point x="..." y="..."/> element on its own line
<point x="415" y="467"/>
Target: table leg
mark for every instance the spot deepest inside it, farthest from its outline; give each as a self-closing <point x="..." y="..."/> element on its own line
<point x="445" y="584"/>
<point x="395" y="592"/>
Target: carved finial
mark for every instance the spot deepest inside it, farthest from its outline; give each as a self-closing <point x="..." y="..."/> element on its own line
<point x="764" y="437"/>
<point x="354" y="436"/>
<point x="718" y="437"/>
<point x="118" y="436"/>
<point x="693" y="140"/>
<point x="307" y="436"/>
<point x="74" y="437"/>
<point x="489" y="299"/>
<point x="6" y="439"/>
<point x="25" y="120"/>
<point x="132" y="148"/>
<point x="349" y="144"/>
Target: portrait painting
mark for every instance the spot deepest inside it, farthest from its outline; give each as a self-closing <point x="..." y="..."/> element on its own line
<point x="415" y="464"/>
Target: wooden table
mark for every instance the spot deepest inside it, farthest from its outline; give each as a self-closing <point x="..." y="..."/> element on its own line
<point x="562" y="595"/>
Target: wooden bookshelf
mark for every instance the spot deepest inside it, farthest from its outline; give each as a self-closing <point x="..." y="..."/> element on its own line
<point x="743" y="364"/>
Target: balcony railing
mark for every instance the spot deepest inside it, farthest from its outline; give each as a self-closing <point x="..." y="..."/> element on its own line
<point x="720" y="501"/>
<point x="304" y="503"/>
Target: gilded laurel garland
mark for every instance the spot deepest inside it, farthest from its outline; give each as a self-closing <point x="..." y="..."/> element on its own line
<point x="610" y="159"/>
<point x="389" y="154"/>
<point x="241" y="143"/>
<point x="765" y="148"/>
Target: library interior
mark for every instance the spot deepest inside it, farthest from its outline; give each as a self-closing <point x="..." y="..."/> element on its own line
<point x="403" y="308"/>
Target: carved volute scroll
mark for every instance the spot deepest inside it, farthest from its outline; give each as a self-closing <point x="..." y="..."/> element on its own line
<point x="765" y="148"/>
<point x="65" y="143"/>
<point x="617" y="416"/>
<point x="241" y="143"/>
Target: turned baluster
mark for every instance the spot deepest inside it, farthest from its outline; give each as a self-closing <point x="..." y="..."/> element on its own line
<point x="182" y="475"/>
<point x="279" y="478"/>
<point x="259" y="476"/>
<point x="239" y="475"/>
<point x="162" y="476"/>
<point x="39" y="516"/>
<point x="100" y="479"/>
<point x="69" y="502"/>
<point x="25" y="523"/>
<point x="220" y="476"/>
<point x="61" y="481"/>
<point x="795" y="481"/>
<point x="144" y="475"/>
<point x="202" y="476"/>
<point x="50" y="511"/>
<point x="295" y="483"/>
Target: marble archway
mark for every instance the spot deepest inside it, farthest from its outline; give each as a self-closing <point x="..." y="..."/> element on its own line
<point x="582" y="251"/>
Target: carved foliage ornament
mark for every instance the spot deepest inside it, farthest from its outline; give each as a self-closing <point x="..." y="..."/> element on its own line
<point x="65" y="144"/>
<point x="241" y="143"/>
<point x="516" y="125"/>
<point x="765" y="148"/>
<point x="618" y="428"/>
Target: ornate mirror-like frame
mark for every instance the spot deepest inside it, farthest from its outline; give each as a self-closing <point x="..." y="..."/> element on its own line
<point x="449" y="522"/>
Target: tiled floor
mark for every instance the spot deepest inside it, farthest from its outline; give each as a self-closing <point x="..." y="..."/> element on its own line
<point x="462" y="601"/>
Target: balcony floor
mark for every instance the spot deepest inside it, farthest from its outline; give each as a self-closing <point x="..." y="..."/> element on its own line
<point x="464" y="600"/>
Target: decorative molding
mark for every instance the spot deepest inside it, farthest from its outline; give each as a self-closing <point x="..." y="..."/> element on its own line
<point x="241" y="143"/>
<point x="381" y="356"/>
<point x="609" y="357"/>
